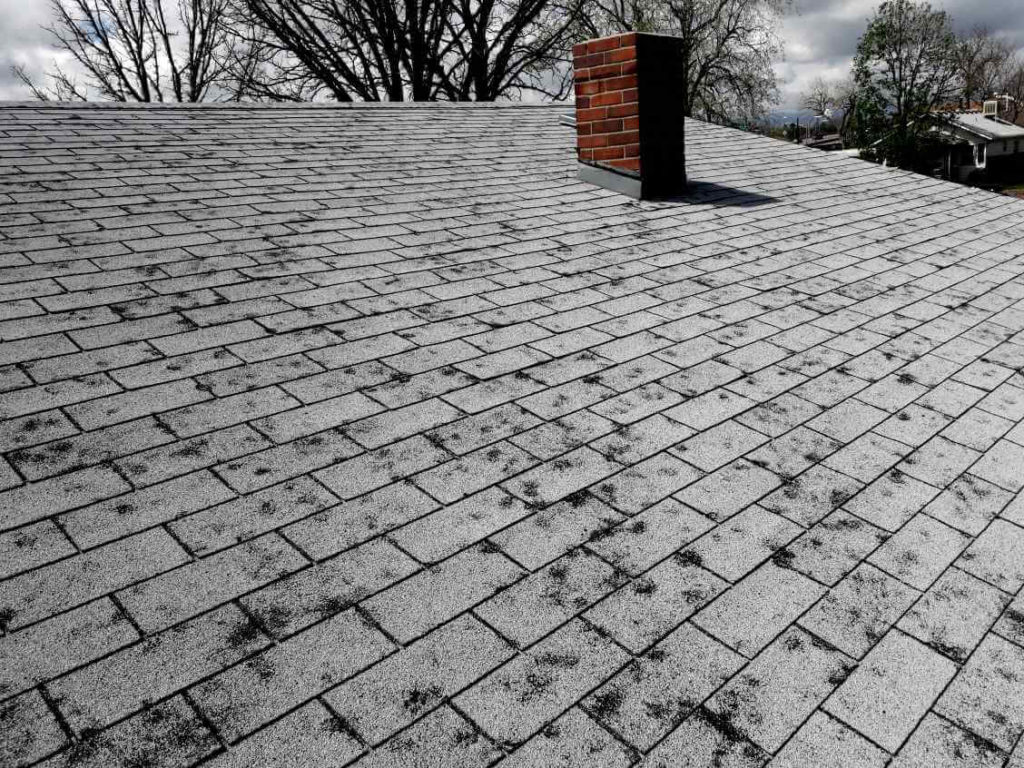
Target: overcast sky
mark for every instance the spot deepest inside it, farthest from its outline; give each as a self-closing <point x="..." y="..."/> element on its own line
<point x="820" y="37"/>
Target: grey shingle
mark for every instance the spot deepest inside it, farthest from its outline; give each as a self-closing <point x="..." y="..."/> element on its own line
<point x="369" y="433"/>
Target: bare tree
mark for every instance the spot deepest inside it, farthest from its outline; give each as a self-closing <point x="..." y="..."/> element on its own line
<point x="729" y="47"/>
<point x="604" y="17"/>
<point x="846" y="105"/>
<point x="820" y="97"/>
<point x="358" y="49"/>
<point x="1012" y="85"/>
<point x="405" y="49"/>
<point x="137" y="50"/>
<point x="982" y="60"/>
<point x="504" y="47"/>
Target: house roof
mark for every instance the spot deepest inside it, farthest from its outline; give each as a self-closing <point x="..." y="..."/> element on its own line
<point x="370" y="434"/>
<point x="989" y="128"/>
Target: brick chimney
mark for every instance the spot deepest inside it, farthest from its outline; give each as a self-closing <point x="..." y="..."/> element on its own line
<point x="629" y="114"/>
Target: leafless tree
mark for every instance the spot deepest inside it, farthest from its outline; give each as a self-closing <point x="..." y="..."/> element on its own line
<point x="604" y="17"/>
<point x="137" y="50"/>
<point x="503" y="47"/>
<point x="982" y="60"/>
<point x="1012" y="85"/>
<point x="370" y="50"/>
<point x="820" y="97"/>
<point x="406" y="49"/>
<point x="729" y="47"/>
<point x="845" y="91"/>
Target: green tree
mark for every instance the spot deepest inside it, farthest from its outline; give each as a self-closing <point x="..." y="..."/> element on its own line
<point x="905" y="68"/>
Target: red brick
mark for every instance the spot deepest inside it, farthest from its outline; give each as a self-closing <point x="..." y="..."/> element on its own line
<point x="586" y="154"/>
<point x="632" y="150"/>
<point x="590" y="60"/>
<point x="620" y="83"/>
<point x="626" y="164"/>
<point x="606" y="99"/>
<point x="606" y="126"/>
<point x="628" y="39"/>
<point x="588" y="115"/>
<point x="592" y="142"/>
<point x="631" y="95"/>
<point x="621" y="110"/>
<point x="588" y="89"/>
<point x="606" y="71"/>
<point x="626" y="137"/>
<point x="608" y="153"/>
<point x="631" y="124"/>
<point x="629" y="67"/>
<point x="607" y="44"/>
<point x="621" y="55"/>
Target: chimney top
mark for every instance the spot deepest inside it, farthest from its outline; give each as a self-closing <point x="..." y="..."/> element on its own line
<point x="630" y="91"/>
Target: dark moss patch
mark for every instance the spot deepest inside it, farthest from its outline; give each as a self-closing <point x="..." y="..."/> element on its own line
<point x="721" y="722"/>
<point x="783" y="558"/>
<point x="419" y="700"/>
<point x="657" y="654"/>
<point x="192" y="450"/>
<point x="838" y="676"/>
<point x="262" y="666"/>
<point x="689" y="557"/>
<point x="488" y="547"/>
<point x="331" y="605"/>
<point x="577" y="499"/>
<point x="607" y="704"/>
<point x="837" y="497"/>
<point x="561" y="660"/>
<point x="244" y="634"/>
<point x="645" y="587"/>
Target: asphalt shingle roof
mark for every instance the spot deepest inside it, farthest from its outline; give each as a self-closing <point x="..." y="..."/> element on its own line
<point x="370" y="435"/>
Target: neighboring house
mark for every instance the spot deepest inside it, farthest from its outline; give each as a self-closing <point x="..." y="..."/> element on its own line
<point x="983" y="142"/>
<point x="829" y="142"/>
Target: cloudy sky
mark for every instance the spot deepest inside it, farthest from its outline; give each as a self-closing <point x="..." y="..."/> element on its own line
<point x="820" y="36"/>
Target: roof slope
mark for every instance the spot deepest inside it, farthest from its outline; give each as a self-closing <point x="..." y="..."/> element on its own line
<point x="369" y="434"/>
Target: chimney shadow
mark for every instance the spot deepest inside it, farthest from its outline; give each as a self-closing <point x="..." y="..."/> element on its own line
<point x="718" y="195"/>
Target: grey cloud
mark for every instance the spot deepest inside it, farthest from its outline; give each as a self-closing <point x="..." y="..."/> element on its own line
<point x="23" y="41"/>
<point x="821" y="35"/>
